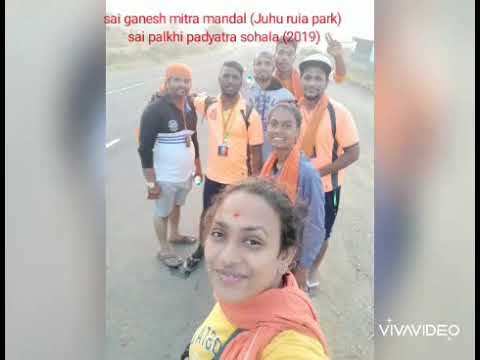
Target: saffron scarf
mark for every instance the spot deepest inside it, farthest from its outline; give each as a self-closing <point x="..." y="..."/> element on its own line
<point x="308" y="140"/>
<point x="289" y="174"/>
<point x="295" y="85"/>
<point x="267" y="315"/>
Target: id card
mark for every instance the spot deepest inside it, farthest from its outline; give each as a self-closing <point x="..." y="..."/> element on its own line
<point x="223" y="150"/>
<point x="188" y="141"/>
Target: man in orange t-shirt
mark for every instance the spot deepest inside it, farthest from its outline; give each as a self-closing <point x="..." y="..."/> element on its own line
<point x="329" y="136"/>
<point x="233" y="127"/>
<point x="285" y="54"/>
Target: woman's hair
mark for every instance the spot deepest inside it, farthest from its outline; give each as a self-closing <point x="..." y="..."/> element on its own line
<point x="290" y="107"/>
<point x="288" y="214"/>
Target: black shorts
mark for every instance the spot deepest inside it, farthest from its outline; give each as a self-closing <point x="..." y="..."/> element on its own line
<point x="332" y="201"/>
<point x="210" y="189"/>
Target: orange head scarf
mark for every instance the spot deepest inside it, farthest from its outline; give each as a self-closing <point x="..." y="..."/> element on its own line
<point x="179" y="70"/>
<point x="267" y="315"/>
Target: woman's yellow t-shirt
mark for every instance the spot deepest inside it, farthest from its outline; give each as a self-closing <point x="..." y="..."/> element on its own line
<point x="216" y="329"/>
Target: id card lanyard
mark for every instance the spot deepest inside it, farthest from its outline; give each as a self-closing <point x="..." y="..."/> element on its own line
<point x="227" y="124"/>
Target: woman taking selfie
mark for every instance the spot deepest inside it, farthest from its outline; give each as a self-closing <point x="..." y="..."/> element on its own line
<point x="292" y="170"/>
<point x="261" y="313"/>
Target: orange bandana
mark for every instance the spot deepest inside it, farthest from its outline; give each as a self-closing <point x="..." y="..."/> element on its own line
<point x="179" y="70"/>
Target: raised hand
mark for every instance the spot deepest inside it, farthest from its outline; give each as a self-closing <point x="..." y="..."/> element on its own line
<point x="334" y="48"/>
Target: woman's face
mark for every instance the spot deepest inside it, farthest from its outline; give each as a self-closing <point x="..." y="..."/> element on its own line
<point x="282" y="129"/>
<point x="242" y="248"/>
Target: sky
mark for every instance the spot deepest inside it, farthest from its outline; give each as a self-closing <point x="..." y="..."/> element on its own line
<point x="357" y="15"/>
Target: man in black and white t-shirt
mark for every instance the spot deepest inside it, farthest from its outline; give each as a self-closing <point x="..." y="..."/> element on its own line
<point x="169" y="153"/>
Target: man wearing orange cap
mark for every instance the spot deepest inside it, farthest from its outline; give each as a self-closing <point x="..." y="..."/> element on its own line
<point x="169" y="153"/>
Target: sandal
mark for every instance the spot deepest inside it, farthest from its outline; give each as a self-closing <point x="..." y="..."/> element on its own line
<point x="188" y="240"/>
<point x="170" y="260"/>
<point x="190" y="264"/>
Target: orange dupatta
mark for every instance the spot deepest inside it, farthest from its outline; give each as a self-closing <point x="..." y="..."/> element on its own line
<point x="308" y="141"/>
<point x="295" y="84"/>
<point x="289" y="174"/>
<point x="267" y="315"/>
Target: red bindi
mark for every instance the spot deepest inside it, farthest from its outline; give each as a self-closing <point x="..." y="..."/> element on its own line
<point x="236" y="215"/>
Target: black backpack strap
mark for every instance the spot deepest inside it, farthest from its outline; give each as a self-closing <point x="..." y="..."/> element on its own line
<point x="191" y="104"/>
<point x="185" y="353"/>
<point x="333" y="121"/>
<point x="193" y="112"/>
<point x="245" y="117"/>
<point x="209" y="101"/>
<point x="154" y="97"/>
<point x="218" y="355"/>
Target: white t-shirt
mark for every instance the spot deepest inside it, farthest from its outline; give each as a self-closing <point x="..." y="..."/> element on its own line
<point x="173" y="160"/>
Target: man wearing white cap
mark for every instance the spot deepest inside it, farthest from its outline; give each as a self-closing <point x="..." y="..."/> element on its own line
<point x="285" y="54"/>
<point x="329" y="137"/>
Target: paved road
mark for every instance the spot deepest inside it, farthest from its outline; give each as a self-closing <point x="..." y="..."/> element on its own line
<point x="151" y="312"/>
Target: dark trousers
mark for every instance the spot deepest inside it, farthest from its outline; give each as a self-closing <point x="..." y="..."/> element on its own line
<point x="210" y="190"/>
<point x="332" y="201"/>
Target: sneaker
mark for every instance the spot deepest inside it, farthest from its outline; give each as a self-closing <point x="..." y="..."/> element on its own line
<point x="190" y="264"/>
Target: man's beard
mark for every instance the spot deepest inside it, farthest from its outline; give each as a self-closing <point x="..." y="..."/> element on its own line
<point x="313" y="98"/>
<point x="284" y="67"/>
<point x="175" y="94"/>
<point x="230" y="95"/>
<point x="263" y="77"/>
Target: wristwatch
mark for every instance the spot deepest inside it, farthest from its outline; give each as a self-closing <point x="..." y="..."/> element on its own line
<point x="151" y="185"/>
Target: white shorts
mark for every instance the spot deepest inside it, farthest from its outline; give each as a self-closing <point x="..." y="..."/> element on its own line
<point x="172" y="194"/>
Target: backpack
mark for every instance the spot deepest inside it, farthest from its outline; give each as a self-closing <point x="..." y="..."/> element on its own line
<point x="245" y="117"/>
<point x="333" y="124"/>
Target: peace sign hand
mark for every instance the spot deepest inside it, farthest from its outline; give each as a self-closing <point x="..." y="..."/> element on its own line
<point x="334" y="47"/>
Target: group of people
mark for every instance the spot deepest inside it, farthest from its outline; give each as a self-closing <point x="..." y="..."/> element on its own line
<point x="277" y="153"/>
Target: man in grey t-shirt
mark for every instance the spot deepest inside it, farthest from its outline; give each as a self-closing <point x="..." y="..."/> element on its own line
<point x="266" y="91"/>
